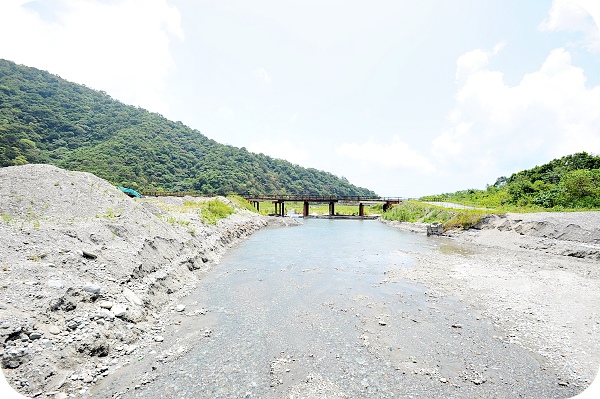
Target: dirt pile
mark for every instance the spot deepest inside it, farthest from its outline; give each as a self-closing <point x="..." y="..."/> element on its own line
<point x="89" y="277"/>
<point x="574" y="234"/>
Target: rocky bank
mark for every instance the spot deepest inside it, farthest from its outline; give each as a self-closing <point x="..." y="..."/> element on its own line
<point x="89" y="277"/>
<point x="537" y="276"/>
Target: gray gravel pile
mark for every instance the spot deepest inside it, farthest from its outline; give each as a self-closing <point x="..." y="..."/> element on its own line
<point x="574" y="234"/>
<point x="89" y="277"/>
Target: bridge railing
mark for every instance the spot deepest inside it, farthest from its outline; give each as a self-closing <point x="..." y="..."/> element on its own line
<point x="282" y="197"/>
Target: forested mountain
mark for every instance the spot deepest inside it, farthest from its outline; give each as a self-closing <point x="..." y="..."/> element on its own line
<point x="45" y="119"/>
<point x="572" y="181"/>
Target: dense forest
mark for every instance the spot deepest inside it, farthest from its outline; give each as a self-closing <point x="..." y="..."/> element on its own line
<point x="46" y="119"/>
<point x="572" y="181"/>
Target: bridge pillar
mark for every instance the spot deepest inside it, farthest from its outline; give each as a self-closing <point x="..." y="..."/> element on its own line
<point x="257" y="205"/>
<point x="361" y="209"/>
<point x="282" y="208"/>
<point x="332" y="208"/>
<point x="305" y="209"/>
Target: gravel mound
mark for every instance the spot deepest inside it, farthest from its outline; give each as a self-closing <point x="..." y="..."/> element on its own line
<point x="89" y="277"/>
<point x="574" y="234"/>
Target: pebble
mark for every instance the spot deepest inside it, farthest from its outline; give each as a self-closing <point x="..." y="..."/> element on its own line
<point x="444" y="380"/>
<point x="382" y="323"/>
<point x="35" y="335"/>
<point x="105" y="314"/>
<point x="180" y="308"/>
<point x="88" y="254"/>
<point x="54" y="330"/>
<point x="457" y="325"/>
<point x="72" y="325"/>
<point x="119" y="310"/>
<point x="55" y="283"/>
<point x="106" y="304"/>
<point x="91" y="288"/>
<point x="132" y="297"/>
<point x="159" y="338"/>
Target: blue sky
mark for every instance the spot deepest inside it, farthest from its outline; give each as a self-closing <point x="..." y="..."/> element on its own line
<point x="406" y="98"/>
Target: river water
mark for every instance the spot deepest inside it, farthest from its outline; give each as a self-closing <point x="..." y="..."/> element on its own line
<point x="315" y="311"/>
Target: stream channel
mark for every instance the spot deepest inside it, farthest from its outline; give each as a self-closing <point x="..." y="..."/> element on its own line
<point x="315" y="312"/>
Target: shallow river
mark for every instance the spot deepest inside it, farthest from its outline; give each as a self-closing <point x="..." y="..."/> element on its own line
<point x="314" y="311"/>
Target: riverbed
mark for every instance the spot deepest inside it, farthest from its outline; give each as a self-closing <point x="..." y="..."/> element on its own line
<point x="319" y="311"/>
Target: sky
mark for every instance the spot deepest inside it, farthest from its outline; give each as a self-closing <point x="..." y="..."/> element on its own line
<point x="403" y="97"/>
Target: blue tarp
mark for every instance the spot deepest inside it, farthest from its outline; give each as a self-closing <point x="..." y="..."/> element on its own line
<point x="130" y="192"/>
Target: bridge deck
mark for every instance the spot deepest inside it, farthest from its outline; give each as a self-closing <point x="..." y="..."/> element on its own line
<point x="321" y="198"/>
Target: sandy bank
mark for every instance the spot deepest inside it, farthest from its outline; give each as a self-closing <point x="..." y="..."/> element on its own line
<point x="536" y="276"/>
<point x="90" y="277"/>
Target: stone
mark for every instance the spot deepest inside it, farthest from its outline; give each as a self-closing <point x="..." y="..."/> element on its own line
<point x="35" y="335"/>
<point x="72" y="325"/>
<point x="159" y="338"/>
<point x="106" y="304"/>
<point x="105" y="314"/>
<point x="443" y="380"/>
<point x="132" y="297"/>
<point x="87" y="378"/>
<point x="54" y="330"/>
<point x="382" y="323"/>
<point x="180" y="308"/>
<point x="13" y="358"/>
<point x="457" y="325"/>
<point x="92" y="288"/>
<point x="119" y="310"/>
<point x="55" y="283"/>
<point x="93" y="346"/>
<point x="89" y="254"/>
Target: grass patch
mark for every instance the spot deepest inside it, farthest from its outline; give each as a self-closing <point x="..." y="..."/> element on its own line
<point x="214" y="210"/>
<point x="419" y="212"/>
<point x="241" y="203"/>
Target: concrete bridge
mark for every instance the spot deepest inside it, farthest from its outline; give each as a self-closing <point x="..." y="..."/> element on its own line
<point x="279" y="201"/>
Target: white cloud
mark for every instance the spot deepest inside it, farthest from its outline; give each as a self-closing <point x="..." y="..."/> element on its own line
<point x="474" y="61"/>
<point x="576" y="16"/>
<point x="493" y="126"/>
<point x="284" y="149"/>
<point x="392" y="154"/>
<point x="121" y="47"/>
<point x="262" y="75"/>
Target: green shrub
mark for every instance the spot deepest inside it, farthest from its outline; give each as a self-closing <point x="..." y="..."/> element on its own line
<point x="214" y="210"/>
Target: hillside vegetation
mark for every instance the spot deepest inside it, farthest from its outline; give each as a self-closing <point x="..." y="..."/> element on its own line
<point x="45" y="119"/>
<point x="570" y="182"/>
